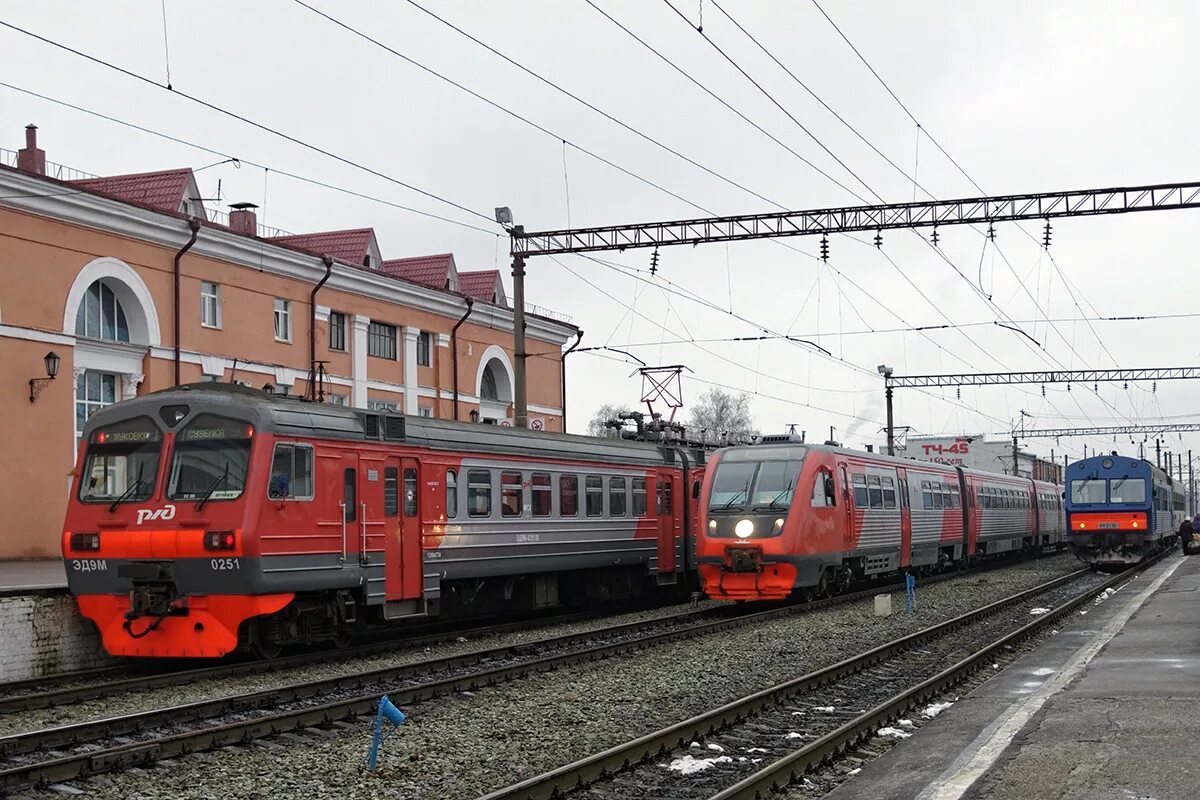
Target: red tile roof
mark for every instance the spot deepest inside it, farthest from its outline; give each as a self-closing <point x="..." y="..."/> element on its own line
<point x="481" y="285"/>
<point x="350" y="246"/>
<point x="431" y="271"/>
<point x="162" y="191"/>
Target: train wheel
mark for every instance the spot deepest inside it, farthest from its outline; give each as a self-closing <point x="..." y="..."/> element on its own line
<point x="343" y="639"/>
<point x="262" y="646"/>
<point x="822" y="588"/>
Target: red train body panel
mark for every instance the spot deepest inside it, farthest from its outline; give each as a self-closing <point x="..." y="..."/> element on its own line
<point x="783" y="516"/>
<point x="211" y="517"/>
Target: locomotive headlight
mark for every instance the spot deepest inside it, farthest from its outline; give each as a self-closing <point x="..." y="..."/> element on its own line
<point x="744" y="529"/>
<point x="712" y="524"/>
<point x="779" y="523"/>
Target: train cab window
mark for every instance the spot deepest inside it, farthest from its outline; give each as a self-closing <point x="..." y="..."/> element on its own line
<point x="350" y="494"/>
<point x="926" y="495"/>
<point x="874" y="492"/>
<point x="391" y="491"/>
<point x="822" y="494"/>
<point x="122" y="461"/>
<point x="568" y="496"/>
<point x="594" y="495"/>
<point x="291" y="473"/>
<point x="889" y="492"/>
<point x="616" y="497"/>
<point x="861" y="499"/>
<point x="479" y="493"/>
<point x="410" y="492"/>
<point x="512" y="494"/>
<point x="451" y="494"/>
<point x="638" y="497"/>
<point x="955" y="501"/>
<point x="540" y="485"/>
<point x="210" y="459"/>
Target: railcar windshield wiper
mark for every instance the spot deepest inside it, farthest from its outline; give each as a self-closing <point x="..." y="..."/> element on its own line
<point x="1119" y="483"/>
<point x="212" y="487"/>
<point x="775" y="500"/>
<point x="744" y="492"/>
<point x="133" y="489"/>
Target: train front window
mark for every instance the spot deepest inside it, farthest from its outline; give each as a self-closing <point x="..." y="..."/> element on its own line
<point x="210" y="460"/>
<point x="1089" y="490"/>
<point x="1127" y="490"/>
<point x="121" y="463"/>
<point x="761" y="478"/>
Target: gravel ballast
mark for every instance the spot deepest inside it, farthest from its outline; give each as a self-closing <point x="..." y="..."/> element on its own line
<point x="466" y="745"/>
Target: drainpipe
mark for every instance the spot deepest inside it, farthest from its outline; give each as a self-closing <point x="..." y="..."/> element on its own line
<point x="454" y="351"/>
<point x="194" y="224"/>
<point x="327" y="260"/>
<point x="563" y="396"/>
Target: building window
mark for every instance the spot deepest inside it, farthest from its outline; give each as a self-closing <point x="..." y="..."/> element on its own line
<point x="425" y="411"/>
<point x="210" y="305"/>
<point x="337" y="330"/>
<point x="487" y="387"/>
<point x="424" y="346"/>
<point x="383" y="405"/>
<point x="100" y="315"/>
<point x="381" y="340"/>
<point x="291" y="473"/>
<point x="93" y="391"/>
<point x="283" y="320"/>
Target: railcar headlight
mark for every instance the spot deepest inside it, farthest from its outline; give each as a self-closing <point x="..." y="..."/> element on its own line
<point x="779" y="523"/>
<point x="712" y="524"/>
<point x="744" y="529"/>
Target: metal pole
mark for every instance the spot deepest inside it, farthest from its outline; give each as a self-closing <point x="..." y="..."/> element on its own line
<point x="1191" y="487"/>
<point x="1015" y="457"/>
<point x="1158" y="453"/>
<point x="520" y="399"/>
<point x="891" y="430"/>
<point x="1179" y="463"/>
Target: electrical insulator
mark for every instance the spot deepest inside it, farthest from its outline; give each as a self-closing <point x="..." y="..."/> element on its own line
<point x="991" y="234"/>
<point x="934" y="237"/>
<point x="654" y="262"/>
<point x="1046" y="236"/>
<point x="1126" y="384"/>
<point x="879" y="239"/>
<point x="1043" y="390"/>
<point x="825" y="248"/>
<point x="1068" y="387"/>
<point x="1096" y="388"/>
<point x="1154" y="387"/>
<point x="958" y="393"/>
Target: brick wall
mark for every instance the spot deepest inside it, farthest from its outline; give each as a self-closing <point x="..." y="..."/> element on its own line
<point x="43" y="634"/>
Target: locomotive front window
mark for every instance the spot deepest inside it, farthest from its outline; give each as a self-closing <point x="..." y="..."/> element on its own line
<point x="767" y="484"/>
<point x="122" y="462"/>
<point x="210" y="460"/>
<point x="1127" y="490"/>
<point x="1089" y="490"/>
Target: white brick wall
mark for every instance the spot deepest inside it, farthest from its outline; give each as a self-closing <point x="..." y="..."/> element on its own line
<point x="45" y="634"/>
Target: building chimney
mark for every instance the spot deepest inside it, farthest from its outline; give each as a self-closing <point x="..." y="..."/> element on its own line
<point x="243" y="219"/>
<point x="30" y="158"/>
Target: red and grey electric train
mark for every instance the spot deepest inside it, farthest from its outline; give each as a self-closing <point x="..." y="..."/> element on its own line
<point x="782" y="516"/>
<point x="210" y="517"/>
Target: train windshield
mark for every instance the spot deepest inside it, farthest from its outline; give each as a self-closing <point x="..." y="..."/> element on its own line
<point x="761" y="478"/>
<point x="212" y="455"/>
<point x="1089" y="490"/>
<point x="1127" y="490"/>
<point x="121" y="463"/>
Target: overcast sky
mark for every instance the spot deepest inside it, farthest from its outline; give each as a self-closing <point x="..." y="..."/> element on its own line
<point x="1025" y="96"/>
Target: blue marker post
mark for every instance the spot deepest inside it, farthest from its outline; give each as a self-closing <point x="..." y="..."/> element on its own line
<point x="391" y="714"/>
<point x="910" y="592"/>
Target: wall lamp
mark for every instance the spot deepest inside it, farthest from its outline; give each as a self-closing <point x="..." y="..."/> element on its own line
<point x="37" y="384"/>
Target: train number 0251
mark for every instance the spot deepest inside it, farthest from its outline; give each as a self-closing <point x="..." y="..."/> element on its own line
<point x="222" y="564"/>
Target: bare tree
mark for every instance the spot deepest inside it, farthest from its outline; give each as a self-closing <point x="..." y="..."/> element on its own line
<point x="597" y="425"/>
<point x="719" y="412"/>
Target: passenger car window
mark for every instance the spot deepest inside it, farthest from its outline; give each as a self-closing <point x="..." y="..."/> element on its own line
<point x="594" y="495"/>
<point x="512" y="494"/>
<point x="568" y="495"/>
<point x="860" y="490"/>
<point x="638" y="485"/>
<point x="451" y="494"/>
<point x="616" y="497"/>
<point x="889" y="492"/>
<point x="874" y="493"/>
<point x="479" y="493"/>
<point x="540" y="484"/>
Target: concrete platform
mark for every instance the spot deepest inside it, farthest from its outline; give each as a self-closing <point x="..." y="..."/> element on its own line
<point x="32" y="575"/>
<point x="1107" y="708"/>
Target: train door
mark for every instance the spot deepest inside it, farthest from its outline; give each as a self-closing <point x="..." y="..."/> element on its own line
<point x="665" y="505"/>
<point x="403" y="509"/>
<point x="968" y="502"/>
<point x="348" y="505"/>
<point x="905" y="518"/>
<point x="847" y="508"/>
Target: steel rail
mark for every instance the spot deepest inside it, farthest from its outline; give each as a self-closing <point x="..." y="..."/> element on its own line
<point x="104" y="759"/>
<point x="606" y="763"/>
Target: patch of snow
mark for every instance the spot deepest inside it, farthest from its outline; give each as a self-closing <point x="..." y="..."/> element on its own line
<point x="906" y="723"/>
<point x="757" y="750"/>
<point x="929" y="712"/>
<point x="694" y="744"/>
<point x="716" y="748"/>
<point x="824" y="709"/>
<point x="893" y="733"/>
<point x="794" y="735"/>
<point x="995" y="666"/>
<point x="797" y="713"/>
<point x="1042" y="671"/>
<point x="855" y="771"/>
<point x="689" y="765"/>
<point x="1037" y="612"/>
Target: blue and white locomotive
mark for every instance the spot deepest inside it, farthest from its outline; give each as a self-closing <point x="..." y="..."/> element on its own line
<point x="1120" y="510"/>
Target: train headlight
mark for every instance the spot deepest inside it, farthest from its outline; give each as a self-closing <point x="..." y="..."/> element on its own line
<point x="744" y="529"/>
<point x="712" y="525"/>
<point x="779" y="524"/>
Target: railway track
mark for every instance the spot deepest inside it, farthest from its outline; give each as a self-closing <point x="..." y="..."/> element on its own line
<point x="76" y="750"/>
<point x="761" y="743"/>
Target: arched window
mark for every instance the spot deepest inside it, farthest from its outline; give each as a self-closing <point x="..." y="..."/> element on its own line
<point x="100" y="315"/>
<point x="487" y="386"/>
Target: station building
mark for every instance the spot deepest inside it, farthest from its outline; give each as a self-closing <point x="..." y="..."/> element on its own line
<point x="97" y="276"/>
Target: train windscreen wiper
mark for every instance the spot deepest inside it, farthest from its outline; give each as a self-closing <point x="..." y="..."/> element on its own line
<point x="133" y="489"/>
<point x="740" y="493"/>
<point x="212" y="487"/>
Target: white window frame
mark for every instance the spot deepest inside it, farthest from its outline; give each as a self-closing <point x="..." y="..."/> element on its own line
<point x="215" y="298"/>
<point x="283" y="313"/>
